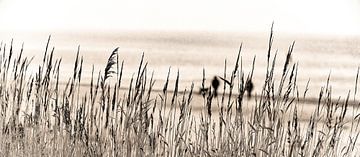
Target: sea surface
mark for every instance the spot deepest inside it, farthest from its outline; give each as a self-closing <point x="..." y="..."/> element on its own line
<point x="191" y="52"/>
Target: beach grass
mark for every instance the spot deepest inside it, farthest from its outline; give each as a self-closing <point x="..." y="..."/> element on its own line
<point x="41" y="117"/>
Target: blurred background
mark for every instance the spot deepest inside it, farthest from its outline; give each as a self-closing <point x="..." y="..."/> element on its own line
<point x="192" y="35"/>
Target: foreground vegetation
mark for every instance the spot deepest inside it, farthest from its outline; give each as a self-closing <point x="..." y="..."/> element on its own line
<point x="40" y="117"/>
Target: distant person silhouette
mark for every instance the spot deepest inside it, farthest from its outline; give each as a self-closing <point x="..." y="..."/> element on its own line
<point x="215" y="84"/>
<point x="249" y="86"/>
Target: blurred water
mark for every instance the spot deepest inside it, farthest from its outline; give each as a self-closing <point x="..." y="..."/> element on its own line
<point x="190" y="52"/>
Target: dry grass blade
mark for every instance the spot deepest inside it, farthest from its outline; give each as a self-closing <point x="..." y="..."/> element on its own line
<point x="111" y="61"/>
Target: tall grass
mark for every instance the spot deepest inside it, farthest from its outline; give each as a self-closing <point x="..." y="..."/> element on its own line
<point x="40" y="117"/>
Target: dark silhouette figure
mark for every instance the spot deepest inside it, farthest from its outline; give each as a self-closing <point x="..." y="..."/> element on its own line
<point x="215" y="84"/>
<point x="249" y="86"/>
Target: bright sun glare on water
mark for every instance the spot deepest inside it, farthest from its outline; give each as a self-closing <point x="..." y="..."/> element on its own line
<point x="299" y="16"/>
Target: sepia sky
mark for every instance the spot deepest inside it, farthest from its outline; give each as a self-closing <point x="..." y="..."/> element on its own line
<point x="291" y="16"/>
